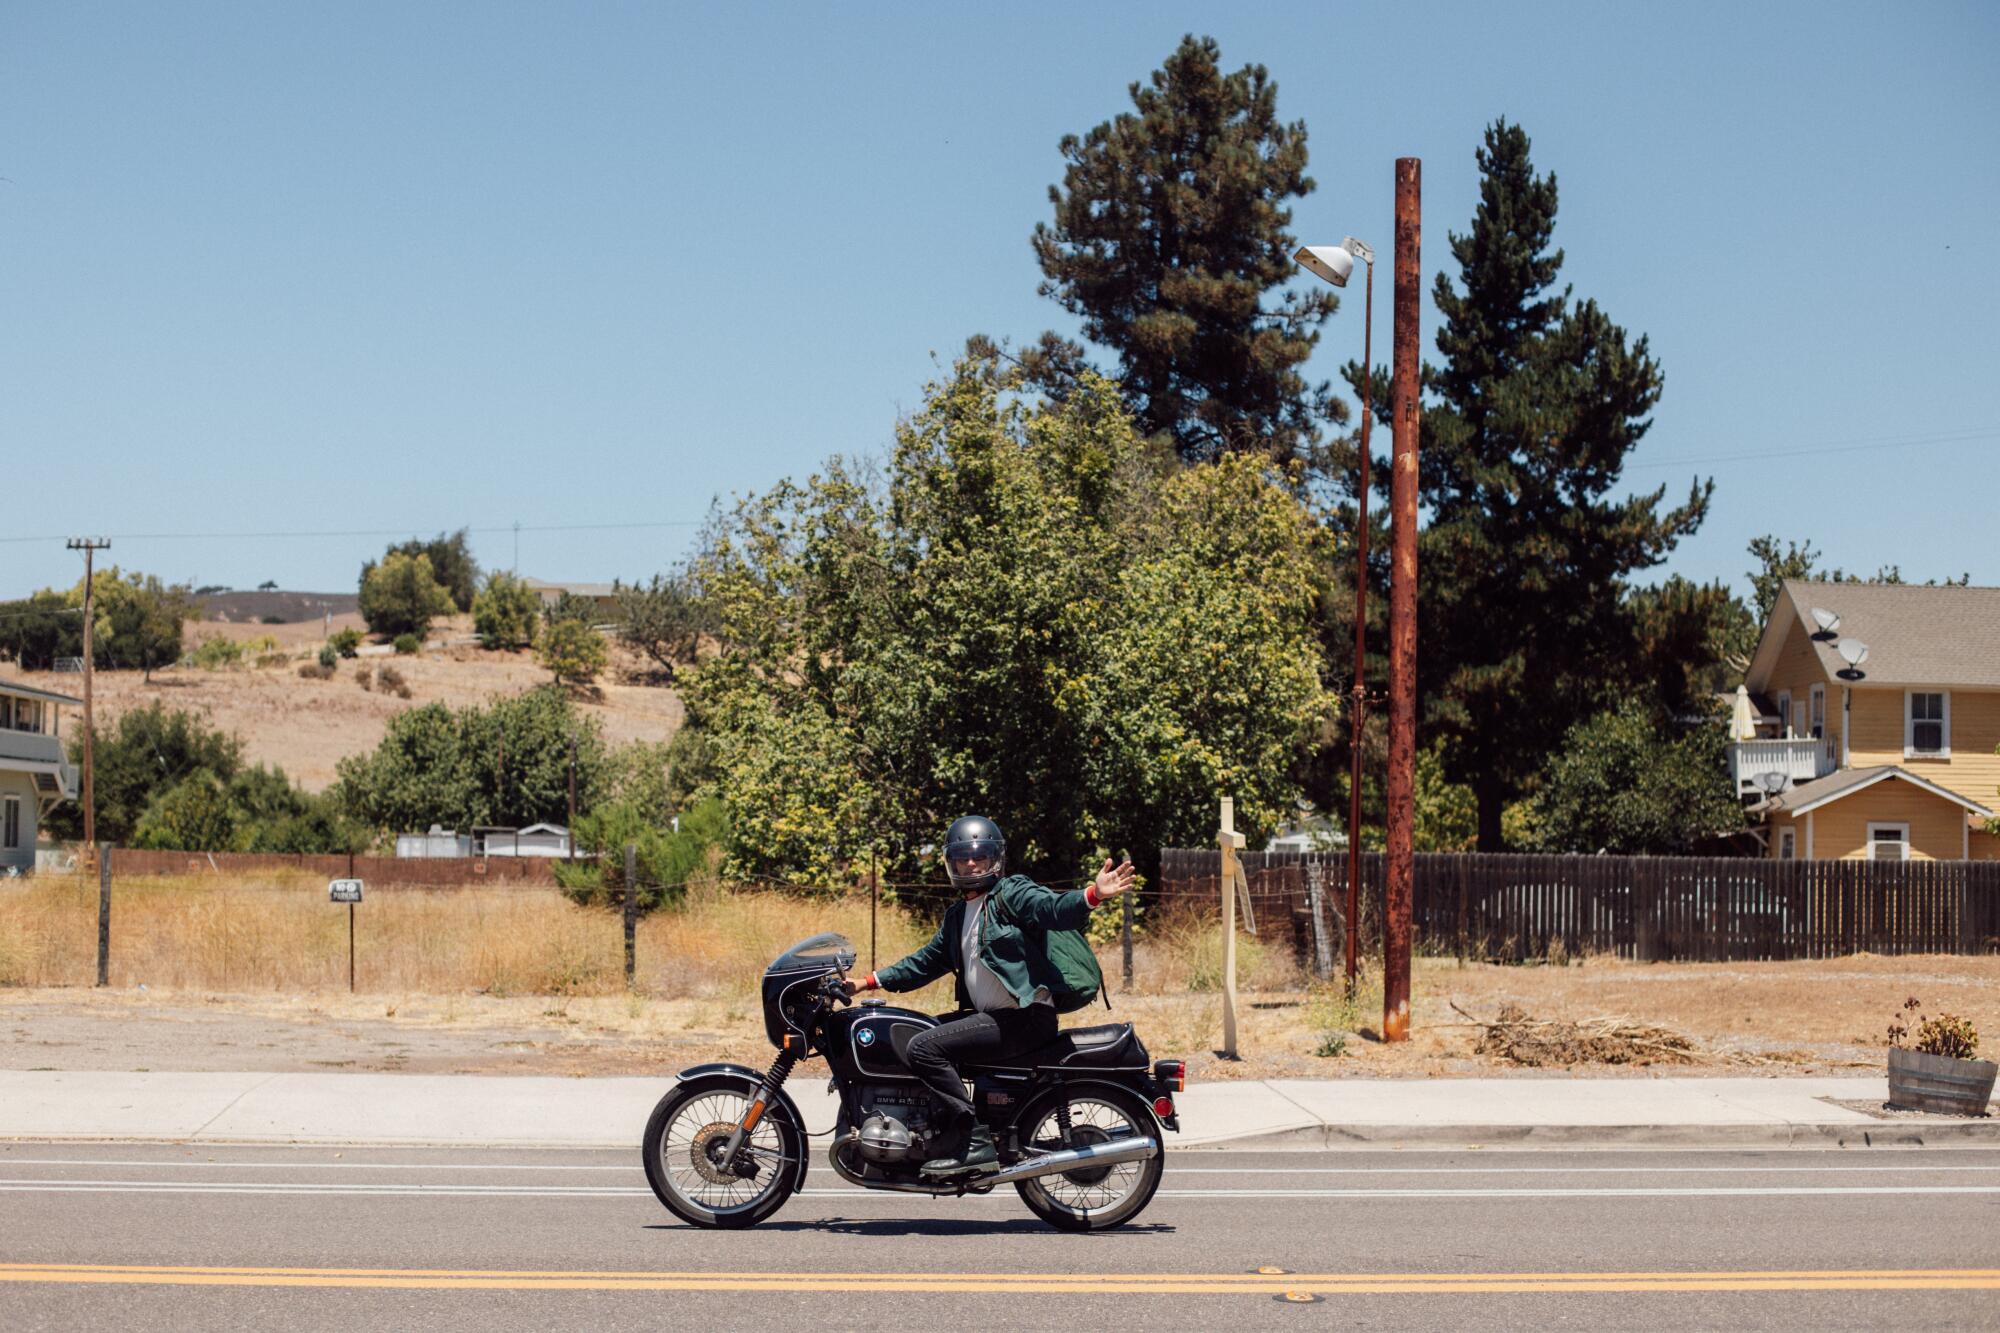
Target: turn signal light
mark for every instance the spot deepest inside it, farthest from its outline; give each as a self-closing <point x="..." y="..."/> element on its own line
<point x="1173" y="1073"/>
<point x="1163" y="1107"/>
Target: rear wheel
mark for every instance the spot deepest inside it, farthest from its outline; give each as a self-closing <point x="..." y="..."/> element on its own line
<point x="684" y="1147"/>
<point x="1090" y="1198"/>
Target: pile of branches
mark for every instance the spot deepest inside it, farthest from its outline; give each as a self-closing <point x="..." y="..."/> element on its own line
<point x="1524" y="1039"/>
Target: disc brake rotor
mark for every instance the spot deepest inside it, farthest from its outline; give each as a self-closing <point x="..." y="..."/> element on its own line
<point x="705" y="1154"/>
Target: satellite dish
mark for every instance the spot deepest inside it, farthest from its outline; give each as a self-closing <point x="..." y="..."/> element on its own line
<point x="1828" y="620"/>
<point x="1772" y="782"/>
<point x="1852" y="651"/>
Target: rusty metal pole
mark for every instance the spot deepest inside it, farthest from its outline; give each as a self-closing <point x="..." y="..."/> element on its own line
<point x="874" y="896"/>
<point x="1401" y="789"/>
<point x="1358" y="708"/>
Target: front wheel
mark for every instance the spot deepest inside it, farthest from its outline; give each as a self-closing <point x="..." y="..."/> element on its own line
<point x="1090" y="1198"/>
<point x="683" y="1151"/>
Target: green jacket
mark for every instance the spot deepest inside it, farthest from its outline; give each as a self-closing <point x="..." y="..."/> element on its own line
<point x="1018" y="912"/>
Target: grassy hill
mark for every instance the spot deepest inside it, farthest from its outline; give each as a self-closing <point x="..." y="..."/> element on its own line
<point x="306" y="726"/>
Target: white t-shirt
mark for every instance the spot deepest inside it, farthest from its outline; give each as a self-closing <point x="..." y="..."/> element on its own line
<point x="985" y="990"/>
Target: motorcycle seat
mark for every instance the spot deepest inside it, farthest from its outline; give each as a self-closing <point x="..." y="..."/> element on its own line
<point x="1108" y="1046"/>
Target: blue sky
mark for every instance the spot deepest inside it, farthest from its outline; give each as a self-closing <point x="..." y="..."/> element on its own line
<point x="401" y="268"/>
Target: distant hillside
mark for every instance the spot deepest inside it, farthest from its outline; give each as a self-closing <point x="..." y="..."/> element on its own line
<point x="254" y="608"/>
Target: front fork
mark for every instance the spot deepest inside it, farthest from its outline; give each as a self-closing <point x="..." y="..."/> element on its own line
<point x="767" y="1090"/>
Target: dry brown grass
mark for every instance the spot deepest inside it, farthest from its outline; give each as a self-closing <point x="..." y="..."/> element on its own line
<point x="279" y="933"/>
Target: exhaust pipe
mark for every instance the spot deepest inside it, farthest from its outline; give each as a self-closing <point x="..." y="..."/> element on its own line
<point x="1134" y="1149"/>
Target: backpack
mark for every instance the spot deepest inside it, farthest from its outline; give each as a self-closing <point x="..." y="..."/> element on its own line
<point x="1076" y="963"/>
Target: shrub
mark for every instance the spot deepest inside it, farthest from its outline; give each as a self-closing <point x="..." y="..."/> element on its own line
<point x="407" y="644"/>
<point x="390" y="681"/>
<point x="400" y="595"/>
<point x="573" y="652"/>
<point x="320" y="670"/>
<point x="328" y="658"/>
<point x="215" y="653"/>
<point x="505" y="612"/>
<point x="346" y="642"/>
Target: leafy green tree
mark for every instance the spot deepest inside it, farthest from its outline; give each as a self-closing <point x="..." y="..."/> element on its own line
<point x="1031" y="615"/>
<point x="1535" y="406"/>
<point x="505" y="612"/>
<point x="1628" y="781"/>
<point x="138" y="623"/>
<point x="192" y="815"/>
<point x="400" y="595"/>
<point x="452" y="564"/>
<point x="505" y="764"/>
<point x="146" y="752"/>
<point x="572" y="651"/>
<point x="667" y="857"/>
<point x="666" y="619"/>
<point x="1693" y="641"/>
<point x="1172" y="227"/>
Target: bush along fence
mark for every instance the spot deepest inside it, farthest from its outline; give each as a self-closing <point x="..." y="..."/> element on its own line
<point x="1648" y="908"/>
<point x="418" y="872"/>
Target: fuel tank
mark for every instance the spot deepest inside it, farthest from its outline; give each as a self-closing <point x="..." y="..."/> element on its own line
<point x="867" y="1041"/>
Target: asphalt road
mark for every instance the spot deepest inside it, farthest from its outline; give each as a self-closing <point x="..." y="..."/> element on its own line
<point x="136" y="1236"/>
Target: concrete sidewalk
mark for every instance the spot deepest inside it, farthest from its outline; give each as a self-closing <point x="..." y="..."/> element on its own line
<point x="471" y="1110"/>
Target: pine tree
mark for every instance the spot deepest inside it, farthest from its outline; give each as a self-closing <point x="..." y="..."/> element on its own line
<point x="1523" y="620"/>
<point x="1171" y="226"/>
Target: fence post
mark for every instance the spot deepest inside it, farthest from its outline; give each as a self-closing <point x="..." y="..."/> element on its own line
<point x="1316" y="905"/>
<point x="104" y="913"/>
<point x="631" y="911"/>
<point x="1125" y="933"/>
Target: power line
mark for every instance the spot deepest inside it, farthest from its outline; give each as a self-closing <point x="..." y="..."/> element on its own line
<point x="370" y="532"/>
<point x="1852" y="447"/>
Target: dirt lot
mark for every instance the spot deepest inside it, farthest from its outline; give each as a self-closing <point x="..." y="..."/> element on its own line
<point x="1777" y="1018"/>
<point x="306" y="726"/>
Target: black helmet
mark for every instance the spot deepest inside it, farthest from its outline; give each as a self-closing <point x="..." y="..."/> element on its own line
<point x="974" y="853"/>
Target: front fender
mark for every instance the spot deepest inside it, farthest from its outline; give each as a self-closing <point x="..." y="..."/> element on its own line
<point x="745" y="1074"/>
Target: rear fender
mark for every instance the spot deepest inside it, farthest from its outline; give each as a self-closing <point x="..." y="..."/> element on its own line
<point x="1137" y="1089"/>
<point x="784" y="1103"/>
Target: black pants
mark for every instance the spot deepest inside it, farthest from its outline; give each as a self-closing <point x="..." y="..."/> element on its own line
<point x="933" y="1054"/>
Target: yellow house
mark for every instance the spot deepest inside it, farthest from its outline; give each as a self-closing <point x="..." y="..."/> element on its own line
<point x="1876" y="712"/>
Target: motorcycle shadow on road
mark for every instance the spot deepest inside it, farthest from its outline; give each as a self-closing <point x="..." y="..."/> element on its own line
<point x="907" y="1226"/>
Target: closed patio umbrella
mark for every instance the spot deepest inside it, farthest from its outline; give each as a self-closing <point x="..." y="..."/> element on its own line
<point x="1743" y="718"/>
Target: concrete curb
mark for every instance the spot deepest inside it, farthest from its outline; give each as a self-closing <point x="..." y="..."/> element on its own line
<point x="1886" y="1134"/>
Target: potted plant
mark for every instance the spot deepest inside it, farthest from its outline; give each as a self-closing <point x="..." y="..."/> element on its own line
<point x="1937" y="1071"/>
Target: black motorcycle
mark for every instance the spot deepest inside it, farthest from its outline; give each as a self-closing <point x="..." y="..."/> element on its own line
<point x="1077" y="1122"/>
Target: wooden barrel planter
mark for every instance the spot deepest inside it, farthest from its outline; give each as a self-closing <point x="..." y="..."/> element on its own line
<point x="1939" y="1083"/>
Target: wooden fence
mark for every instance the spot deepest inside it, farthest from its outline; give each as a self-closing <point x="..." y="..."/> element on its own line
<point x="424" y="872"/>
<point x="1650" y="908"/>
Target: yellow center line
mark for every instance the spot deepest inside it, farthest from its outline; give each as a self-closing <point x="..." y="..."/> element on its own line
<point x="1915" y="1279"/>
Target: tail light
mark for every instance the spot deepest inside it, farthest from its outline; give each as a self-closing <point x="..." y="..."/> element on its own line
<point x="1172" y="1073"/>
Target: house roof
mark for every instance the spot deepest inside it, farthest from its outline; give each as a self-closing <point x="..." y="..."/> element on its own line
<point x="573" y="589"/>
<point x="16" y="687"/>
<point x="1834" y="786"/>
<point x="1915" y="635"/>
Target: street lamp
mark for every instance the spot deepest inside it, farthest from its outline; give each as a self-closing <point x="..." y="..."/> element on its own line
<point x="1334" y="263"/>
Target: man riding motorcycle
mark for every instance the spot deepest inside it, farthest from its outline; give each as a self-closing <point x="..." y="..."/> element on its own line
<point x="993" y="939"/>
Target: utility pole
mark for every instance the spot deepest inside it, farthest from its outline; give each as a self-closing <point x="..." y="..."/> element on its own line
<point x="1359" y="705"/>
<point x="572" y="796"/>
<point x="1401" y="789"/>
<point x="90" y="546"/>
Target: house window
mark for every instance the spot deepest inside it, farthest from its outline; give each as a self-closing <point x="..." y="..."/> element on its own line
<point x="1926" y="724"/>
<point x="10" y="823"/>
<point x="1784" y="714"/>
<point x="1788" y="842"/>
<point x="1888" y="842"/>
<point x="1816" y="713"/>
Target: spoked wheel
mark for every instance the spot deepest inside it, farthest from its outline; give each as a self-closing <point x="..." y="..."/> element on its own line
<point x="1092" y="1197"/>
<point x="684" y="1148"/>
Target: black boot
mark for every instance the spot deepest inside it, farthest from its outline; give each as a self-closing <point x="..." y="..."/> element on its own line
<point x="977" y="1155"/>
